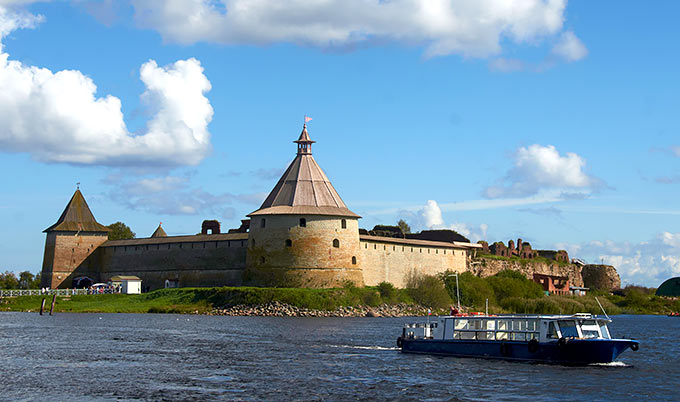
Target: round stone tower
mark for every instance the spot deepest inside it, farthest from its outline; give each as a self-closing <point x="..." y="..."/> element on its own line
<point x="303" y="235"/>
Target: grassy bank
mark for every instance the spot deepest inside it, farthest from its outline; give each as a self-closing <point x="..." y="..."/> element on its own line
<point x="201" y="300"/>
<point x="507" y="292"/>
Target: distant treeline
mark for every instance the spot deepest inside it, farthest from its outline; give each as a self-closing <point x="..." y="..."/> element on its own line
<point x="26" y="280"/>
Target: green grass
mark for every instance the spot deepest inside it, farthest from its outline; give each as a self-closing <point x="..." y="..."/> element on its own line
<point x="191" y="300"/>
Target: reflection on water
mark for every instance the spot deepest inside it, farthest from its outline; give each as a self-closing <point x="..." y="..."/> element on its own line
<point x="173" y="357"/>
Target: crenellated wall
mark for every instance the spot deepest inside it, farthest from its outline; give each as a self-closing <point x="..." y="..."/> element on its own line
<point x="487" y="267"/>
<point x="393" y="260"/>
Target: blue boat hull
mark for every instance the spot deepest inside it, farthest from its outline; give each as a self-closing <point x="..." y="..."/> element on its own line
<point x="571" y="352"/>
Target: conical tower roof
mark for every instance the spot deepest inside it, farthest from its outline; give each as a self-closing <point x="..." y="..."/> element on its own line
<point x="77" y="217"/>
<point x="304" y="188"/>
<point x="159" y="232"/>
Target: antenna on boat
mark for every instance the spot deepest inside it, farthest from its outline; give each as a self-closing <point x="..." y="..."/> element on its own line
<point x="458" y="293"/>
<point x="487" y="306"/>
<point x="605" y="313"/>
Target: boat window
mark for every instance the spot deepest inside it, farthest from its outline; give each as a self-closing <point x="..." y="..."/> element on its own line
<point x="532" y="335"/>
<point x="589" y="329"/>
<point x="568" y="329"/>
<point x="519" y="325"/>
<point x="475" y="324"/>
<point x="504" y="325"/>
<point x="490" y="325"/>
<point x="552" y="331"/>
<point x="461" y="324"/>
<point x="604" y="330"/>
<point x="466" y="335"/>
<point x="519" y="336"/>
<point x="501" y="336"/>
<point x="532" y="325"/>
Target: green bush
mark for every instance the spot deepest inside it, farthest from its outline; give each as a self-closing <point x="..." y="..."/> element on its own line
<point x="514" y="284"/>
<point x="428" y="291"/>
<point x="387" y="291"/>
<point x="372" y="299"/>
<point x="474" y="291"/>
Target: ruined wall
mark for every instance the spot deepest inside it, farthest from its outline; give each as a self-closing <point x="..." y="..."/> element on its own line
<point x="64" y="253"/>
<point x="601" y="277"/>
<point x="281" y="252"/>
<point x="487" y="267"/>
<point x="393" y="261"/>
<point x="195" y="261"/>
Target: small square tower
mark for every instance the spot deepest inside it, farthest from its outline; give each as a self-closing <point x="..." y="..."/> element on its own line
<point x="70" y="241"/>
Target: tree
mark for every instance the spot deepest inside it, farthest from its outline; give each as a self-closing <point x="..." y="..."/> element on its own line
<point x="9" y="281"/>
<point x="25" y="280"/>
<point x="405" y="228"/>
<point x="120" y="231"/>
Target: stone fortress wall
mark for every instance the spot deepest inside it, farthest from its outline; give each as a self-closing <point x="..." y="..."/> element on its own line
<point x="186" y="261"/>
<point x="387" y="259"/>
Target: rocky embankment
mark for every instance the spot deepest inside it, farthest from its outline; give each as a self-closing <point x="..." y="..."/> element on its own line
<point x="277" y="309"/>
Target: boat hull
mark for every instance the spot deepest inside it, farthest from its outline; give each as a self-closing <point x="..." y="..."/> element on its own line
<point x="568" y="351"/>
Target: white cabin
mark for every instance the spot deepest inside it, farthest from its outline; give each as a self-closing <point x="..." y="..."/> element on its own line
<point x="545" y="328"/>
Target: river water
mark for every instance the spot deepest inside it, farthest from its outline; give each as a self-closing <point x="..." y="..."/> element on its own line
<point x="184" y="357"/>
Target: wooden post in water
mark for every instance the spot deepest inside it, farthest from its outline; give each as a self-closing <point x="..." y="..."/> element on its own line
<point x="42" y="306"/>
<point x="54" y="299"/>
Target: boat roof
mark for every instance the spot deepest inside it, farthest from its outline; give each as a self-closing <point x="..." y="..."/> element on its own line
<point x="587" y="316"/>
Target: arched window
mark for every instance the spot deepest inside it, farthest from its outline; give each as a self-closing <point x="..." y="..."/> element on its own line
<point x="336" y="243"/>
<point x="303" y="222"/>
<point x="289" y="243"/>
<point x="263" y="222"/>
<point x="343" y="223"/>
<point x="354" y="260"/>
<point x="261" y="260"/>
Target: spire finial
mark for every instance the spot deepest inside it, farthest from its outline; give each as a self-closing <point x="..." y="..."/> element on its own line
<point x="304" y="143"/>
<point x="78" y="186"/>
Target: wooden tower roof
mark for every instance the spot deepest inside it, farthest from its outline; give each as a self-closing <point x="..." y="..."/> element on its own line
<point x="77" y="217"/>
<point x="304" y="188"/>
<point x="159" y="232"/>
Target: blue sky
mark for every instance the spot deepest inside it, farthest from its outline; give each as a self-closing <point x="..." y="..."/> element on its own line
<point x="551" y="121"/>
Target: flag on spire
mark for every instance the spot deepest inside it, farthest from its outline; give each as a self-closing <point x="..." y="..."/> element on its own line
<point x="307" y="119"/>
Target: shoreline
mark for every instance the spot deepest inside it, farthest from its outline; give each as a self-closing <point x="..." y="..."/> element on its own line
<point x="278" y="309"/>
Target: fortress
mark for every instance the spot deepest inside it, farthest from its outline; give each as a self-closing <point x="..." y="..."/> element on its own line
<point x="303" y="235"/>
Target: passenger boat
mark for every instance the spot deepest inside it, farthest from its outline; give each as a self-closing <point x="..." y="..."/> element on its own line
<point x="578" y="339"/>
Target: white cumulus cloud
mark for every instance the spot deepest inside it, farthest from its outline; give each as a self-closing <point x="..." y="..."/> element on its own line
<point x="472" y="28"/>
<point x="647" y="263"/>
<point x="538" y="168"/>
<point x="430" y="216"/>
<point x="570" y="48"/>
<point x="58" y="117"/>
